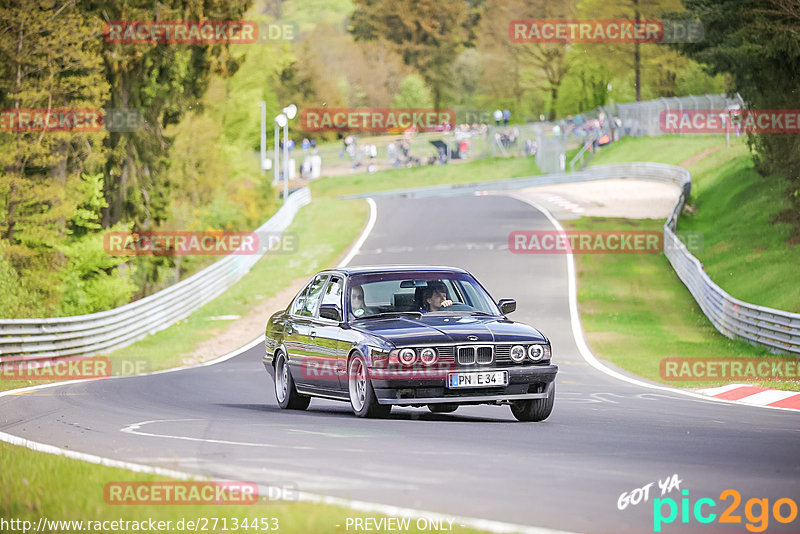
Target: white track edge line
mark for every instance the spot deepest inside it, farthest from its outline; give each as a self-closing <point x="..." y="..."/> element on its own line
<point x="364" y="506"/>
<point x="481" y="524"/>
<point x="373" y="216"/>
<point x="580" y="340"/>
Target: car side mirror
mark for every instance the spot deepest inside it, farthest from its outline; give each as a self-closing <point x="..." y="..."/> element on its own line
<point x="330" y="311"/>
<point x="507" y="305"/>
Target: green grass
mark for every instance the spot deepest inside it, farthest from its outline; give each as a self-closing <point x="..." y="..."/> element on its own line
<point x="324" y="229"/>
<point x="672" y="149"/>
<point x="636" y="311"/>
<point x="35" y="485"/>
<point x="634" y="308"/>
<point x="457" y="173"/>
<point x="744" y="251"/>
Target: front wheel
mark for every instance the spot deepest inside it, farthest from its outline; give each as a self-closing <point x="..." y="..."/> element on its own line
<point x="534" y="409"/>
<point x="362" y="395"/>
<point x="285" y="392"/>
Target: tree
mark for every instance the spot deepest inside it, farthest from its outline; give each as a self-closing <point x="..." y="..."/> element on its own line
<point x="514" y="69"/>
<point x="346" y="73"/>
<point x="163" y="81"/>
<point x="639" y="59"/>
<point x="413" y="93"/>
<point x="756" y="42"/>
<point x="427" y="34"/>
<point x="49" y="59"/>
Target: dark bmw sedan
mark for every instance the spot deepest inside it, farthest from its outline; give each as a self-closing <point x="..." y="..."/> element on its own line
<point x="386" y="336"/>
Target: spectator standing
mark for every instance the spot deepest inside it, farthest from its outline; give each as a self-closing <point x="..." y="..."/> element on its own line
<point x="498" y="116"/>
<point x="506" y="116"/>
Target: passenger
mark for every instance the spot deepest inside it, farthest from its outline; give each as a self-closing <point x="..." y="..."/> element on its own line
<point x="434" y="297"/>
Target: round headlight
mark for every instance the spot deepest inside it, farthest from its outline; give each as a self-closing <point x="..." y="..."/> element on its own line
<point x="407" y="356"/>
<point x="428" y="356"/>
<point x="517" y="353"/>
<point x="535" y="352"/>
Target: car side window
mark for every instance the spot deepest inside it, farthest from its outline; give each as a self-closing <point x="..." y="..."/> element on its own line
<point x="313" y="296"/>
<point x="297" y="305"/>
<point x="333" y="293"/>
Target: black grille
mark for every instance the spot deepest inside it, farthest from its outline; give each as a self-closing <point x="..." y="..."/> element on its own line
<point x="447" y="354"/>
<point x="502" y="353"/>
<point x="471" y="355"/>
<point x="484" y="355"/>
<point x="466" y="355"/>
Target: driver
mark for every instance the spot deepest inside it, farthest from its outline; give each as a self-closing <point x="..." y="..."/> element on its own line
<point x="434" y="297"/>
<point x="357" y="301"/>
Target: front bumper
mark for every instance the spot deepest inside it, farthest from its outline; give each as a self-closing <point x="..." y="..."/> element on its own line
<point x="524" y="382"/>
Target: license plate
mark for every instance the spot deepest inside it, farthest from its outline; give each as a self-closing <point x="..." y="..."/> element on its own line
<point x="477" y="380"/>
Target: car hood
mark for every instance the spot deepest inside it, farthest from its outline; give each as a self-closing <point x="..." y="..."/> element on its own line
<point x="442" y="329"/>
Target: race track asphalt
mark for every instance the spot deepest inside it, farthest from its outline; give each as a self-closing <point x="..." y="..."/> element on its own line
<point x="605" y="436"/>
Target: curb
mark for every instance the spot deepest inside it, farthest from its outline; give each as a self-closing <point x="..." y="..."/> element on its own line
<point x="755" y="396"/>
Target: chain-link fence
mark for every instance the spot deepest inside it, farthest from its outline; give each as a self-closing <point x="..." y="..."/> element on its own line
<point x="607" y="124"/>
<point x="476" y="135"/>
<point x="644" y="118"/>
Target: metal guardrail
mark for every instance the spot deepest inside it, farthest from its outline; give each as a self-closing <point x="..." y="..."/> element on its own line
<point x="26" y="339"/>
<point x="31" y="339"/>
<point x="775" y="329"/>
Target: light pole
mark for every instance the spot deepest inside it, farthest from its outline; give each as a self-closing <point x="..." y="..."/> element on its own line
<point x="289" y="113"/>
<point x="263" y="136"/>
<point x="280" y="122"/>
<point x="276" y="157"/>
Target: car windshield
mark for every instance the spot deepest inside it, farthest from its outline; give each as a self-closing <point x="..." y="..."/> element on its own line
<point x="414" y="294"/>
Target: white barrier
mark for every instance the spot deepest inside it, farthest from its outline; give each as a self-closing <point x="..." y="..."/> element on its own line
<point x="775" y="329"/>
<point x="29" y="339"/>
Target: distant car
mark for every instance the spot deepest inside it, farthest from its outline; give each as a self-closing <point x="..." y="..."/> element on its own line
<point x="388" y="336"/>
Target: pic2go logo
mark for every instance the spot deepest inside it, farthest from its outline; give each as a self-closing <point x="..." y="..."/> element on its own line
<point x="757" y="511"/>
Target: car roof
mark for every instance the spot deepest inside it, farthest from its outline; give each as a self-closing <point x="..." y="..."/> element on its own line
<point x="374" y="269"/>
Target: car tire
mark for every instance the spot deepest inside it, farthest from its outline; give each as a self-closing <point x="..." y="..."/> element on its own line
<point x="362" y="395"/>
<point x="442" y="408"/>
<point x="285" y="392"/>
<point x="534" y="409"/>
